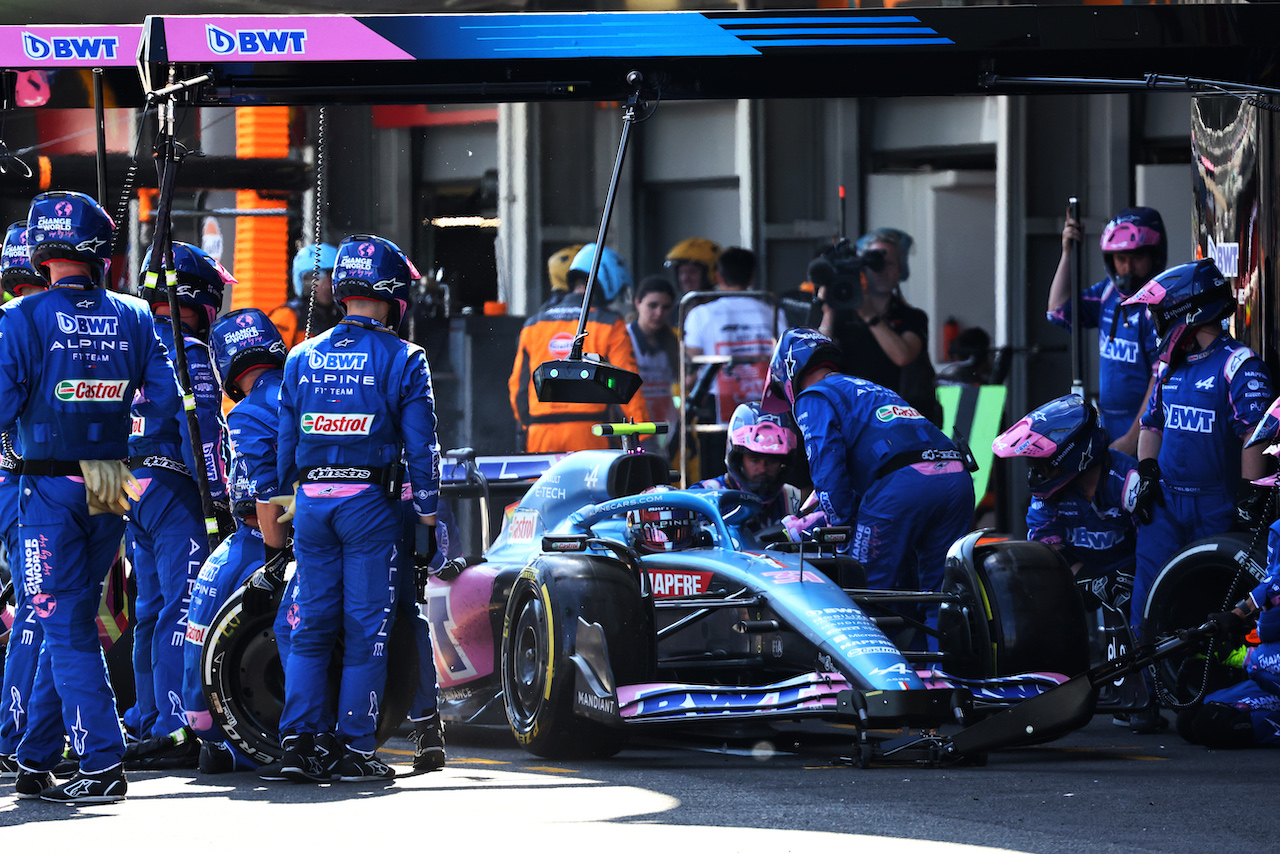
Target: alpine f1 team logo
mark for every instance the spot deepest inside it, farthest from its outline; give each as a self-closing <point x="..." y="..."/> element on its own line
<point x="91" y="391"/>
<point x="336" y="425"/>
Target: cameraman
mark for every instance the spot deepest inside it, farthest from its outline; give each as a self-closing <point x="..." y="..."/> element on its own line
<point x="882" y="339"/>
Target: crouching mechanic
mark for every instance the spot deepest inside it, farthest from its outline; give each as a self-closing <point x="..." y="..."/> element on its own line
<point x="877" y="465"/>
<point x="166" y="522"/>
<point x="18" y="278"/>
<point x="249" y="355"/>
<point x="760" y="449"/>
<point x="71" y="359"/>
<point x="354" y="399"/>
<point x="1077" y="493"/>
<point x="1247" y="714"/>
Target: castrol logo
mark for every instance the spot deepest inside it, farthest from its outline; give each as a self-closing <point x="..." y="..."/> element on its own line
<point x="889" y="413"/>
<point x="336" y="425"/>
<point x="96" y="391"/>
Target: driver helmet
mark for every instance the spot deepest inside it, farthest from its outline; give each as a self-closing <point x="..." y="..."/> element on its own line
<point x="373" y="268"/>
<point x="655" y="530"/>
<point x="63" y="225"/>
<point x="753" y="429"/>
<point x="1059" y="440"/>
<point x="799" y="350"/>
<point x="304" y="264"/>
<point x="1134" y="230"/>
<point x="242" y="340"/>
<point x="1183" y="298"/>
<point x="201" y="283"/>
<point x="16" y="271"/>
<point x="612" y="277"/>
<point x="695" y="250"/>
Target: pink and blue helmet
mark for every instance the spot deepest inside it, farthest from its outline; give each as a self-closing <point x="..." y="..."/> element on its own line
<point x="799" y="350"/>
<point x="1134" y="230"/>
<point x="201" y="283"/>
<point x="242" y="340"/>
<point x="15" y="266"/>
<point x="373" y="268"/>
<point x="767" y="433"/>
<point x="1182" y="298"/>
<point x="63" y="225"/>
<point x="1059" y="441"/>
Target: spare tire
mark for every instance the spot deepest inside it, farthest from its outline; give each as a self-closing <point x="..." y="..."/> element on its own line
<point x="1209" y="575"/>
<point x="1019" y="610"/>
<point x="244" y="683"/>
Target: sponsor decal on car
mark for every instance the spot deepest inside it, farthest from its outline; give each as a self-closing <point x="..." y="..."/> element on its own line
<point x="667" y="583"/>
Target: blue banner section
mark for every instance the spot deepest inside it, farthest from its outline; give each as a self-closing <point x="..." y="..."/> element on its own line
<point x="640" y="34"/>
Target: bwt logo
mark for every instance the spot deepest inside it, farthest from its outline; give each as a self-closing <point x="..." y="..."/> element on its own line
<point x="67" y="47"/>
<point x="1226" y="256"/>
<point x="80" y="324"/>
<point x="337" y="361"/>
<point x="248" y="42"/>
<point x="1191" y="419"/>
<point x="1118" y="350"/>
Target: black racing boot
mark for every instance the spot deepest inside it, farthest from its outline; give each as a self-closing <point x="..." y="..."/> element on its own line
<point x="428" y="744"/>
<point x="102" y="787"/>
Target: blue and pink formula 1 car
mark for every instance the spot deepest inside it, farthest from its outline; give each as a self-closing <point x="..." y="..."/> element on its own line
<point x="565" y="632"/>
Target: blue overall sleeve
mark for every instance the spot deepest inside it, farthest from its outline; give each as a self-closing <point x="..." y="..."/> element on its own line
<point x="824" y="445"/>
<point x="286" y="465"/>
<point x="418" y="423"/>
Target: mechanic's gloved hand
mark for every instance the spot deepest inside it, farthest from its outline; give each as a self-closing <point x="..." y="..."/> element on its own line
<point x="1253" y="506"/>
<point x="226" y="522"/>
<point x="797" y="526"/>
<point x="425" y="549"/>
<point x="108" y="486"/>
<point x="450" y="569"/>
<point x="289" y="503"/>
<point x="1229" y="623"/>
<point x="261" y="589"/>
<point x="1142" y="491"/>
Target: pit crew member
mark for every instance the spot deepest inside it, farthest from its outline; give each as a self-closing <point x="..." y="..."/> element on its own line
<point x="1134" y="248"/>
<point x="310" y="294"/>
<point x="71" y="359"/>
<point x="877" y="465"/>
<point x="166" y="522"/>
<point x="354" y="399"/>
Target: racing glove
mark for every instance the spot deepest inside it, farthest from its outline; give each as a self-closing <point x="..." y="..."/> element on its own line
<point x="1253" y="506"/>
<point x="425" y="549"/>
<point x="797" y="526"/>
<point x="1229" y="623"/>
<point x="262" y="589"/>
<point x="1142" y="491"/>
<point x="108" y="486"/>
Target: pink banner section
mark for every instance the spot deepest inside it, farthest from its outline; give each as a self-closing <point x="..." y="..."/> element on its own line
<point x="69" y="46"/>
<point x="266" y="38"/>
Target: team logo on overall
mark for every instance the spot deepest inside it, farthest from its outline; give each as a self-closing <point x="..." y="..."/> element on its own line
<point x="44" y="604"/>
<point x="81" y="324"/>
<point x="336" y="425"/>
<point x="90" y="391"/>
<point x="560" y="344"/>
<point x="337" y="361"/>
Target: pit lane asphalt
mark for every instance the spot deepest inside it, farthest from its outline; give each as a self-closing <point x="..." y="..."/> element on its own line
<point x="1099" y="790"/>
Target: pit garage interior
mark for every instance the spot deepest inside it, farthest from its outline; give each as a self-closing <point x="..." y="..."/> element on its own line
<point x="480" y="194"/>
